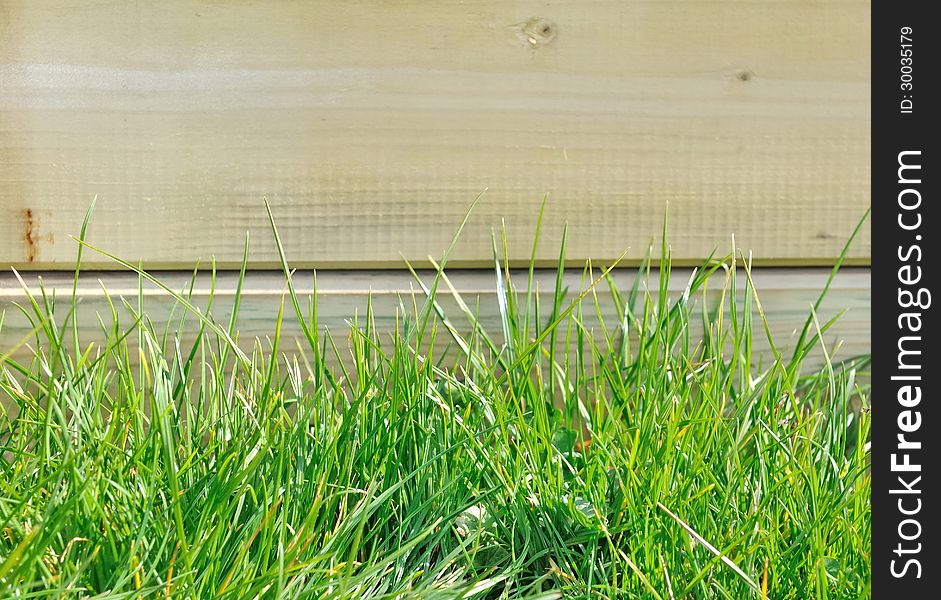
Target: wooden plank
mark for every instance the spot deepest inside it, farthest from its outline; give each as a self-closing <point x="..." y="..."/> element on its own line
<point x="370" y="126"/>
<point x="786" y="296"/>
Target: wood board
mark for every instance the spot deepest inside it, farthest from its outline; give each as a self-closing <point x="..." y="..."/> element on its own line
<point x="786" y="296"/>
<point x="371" y="126"/>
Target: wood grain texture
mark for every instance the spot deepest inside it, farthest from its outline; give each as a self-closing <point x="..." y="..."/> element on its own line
<point x="371" y="125"/>
<point x="786" y="297"/>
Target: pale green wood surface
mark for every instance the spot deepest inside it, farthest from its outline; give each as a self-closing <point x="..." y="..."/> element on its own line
<point x="371" y="125"/>
<point x="786" y="296"/>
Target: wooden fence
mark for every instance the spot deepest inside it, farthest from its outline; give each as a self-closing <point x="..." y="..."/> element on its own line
<point x="371" y="125"/>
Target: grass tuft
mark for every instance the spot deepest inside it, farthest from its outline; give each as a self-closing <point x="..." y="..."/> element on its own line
<point x="542" y="460"/>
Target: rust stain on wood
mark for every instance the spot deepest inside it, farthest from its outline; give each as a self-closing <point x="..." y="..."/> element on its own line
<point x="29" y="233"/>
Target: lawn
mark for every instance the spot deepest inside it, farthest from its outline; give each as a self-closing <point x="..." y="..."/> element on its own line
<point x="530" y="462"/>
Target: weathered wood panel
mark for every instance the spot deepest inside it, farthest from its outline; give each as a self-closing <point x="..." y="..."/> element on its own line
<point x="786" y="296"/>
<point x="371" y="125"/>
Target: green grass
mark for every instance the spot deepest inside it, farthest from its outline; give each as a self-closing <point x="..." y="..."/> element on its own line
<point x="525" y="462"/>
